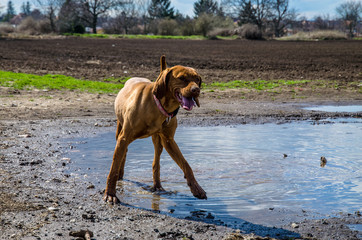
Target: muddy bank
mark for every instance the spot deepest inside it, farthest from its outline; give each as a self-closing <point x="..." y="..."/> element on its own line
<point x="217" y="108"/>
<point x="41" y="200"/>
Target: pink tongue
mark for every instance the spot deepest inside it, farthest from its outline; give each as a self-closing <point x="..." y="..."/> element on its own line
<point x="187" y="103"/>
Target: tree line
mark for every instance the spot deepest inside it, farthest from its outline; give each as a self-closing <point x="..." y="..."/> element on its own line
<point x="255" y="18"/>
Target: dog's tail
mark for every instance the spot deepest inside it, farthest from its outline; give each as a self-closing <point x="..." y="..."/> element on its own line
<point x="163" y="62"/>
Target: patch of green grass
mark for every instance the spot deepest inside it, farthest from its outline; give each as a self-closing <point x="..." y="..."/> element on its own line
<point x="256" y="84"/>
<point x="59" y="82"/>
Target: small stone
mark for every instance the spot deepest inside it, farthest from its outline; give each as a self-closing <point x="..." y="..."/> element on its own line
<point x="210" y="216"/>
<point x="323" y="161"/>
<point x="25" y="135"/>
<point x="294" y="225"/>
<point x="53" y="209"/>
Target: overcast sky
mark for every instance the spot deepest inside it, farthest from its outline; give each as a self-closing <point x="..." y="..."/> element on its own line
<point x="307" y="8"/>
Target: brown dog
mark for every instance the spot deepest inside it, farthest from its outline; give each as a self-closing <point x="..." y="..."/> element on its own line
<point x="146" y="108"/>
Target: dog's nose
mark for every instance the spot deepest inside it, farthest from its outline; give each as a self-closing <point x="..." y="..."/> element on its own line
<point x="195" y="90"/>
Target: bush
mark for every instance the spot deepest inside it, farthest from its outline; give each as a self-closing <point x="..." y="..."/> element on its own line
<point x="224" y="32"/>
<point x="212" y="25"/>
<point x="29" y="26"/>
<point x="6" y="28"/>
<point x="188" y="28"/>
<point x="250" y="31"/>
<point x="203" y="24"/>
<point x="168" y="27"/>
<point x="44" y="26"/>
<point x="152" y="27"/>
<point x="79" y="28"/>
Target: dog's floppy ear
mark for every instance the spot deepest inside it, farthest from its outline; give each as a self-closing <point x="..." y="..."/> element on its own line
<point x="200" y="81"/>
<point x="161" y="84"/>
<point x="163" y="62"/>
<point x="160" y="87"/>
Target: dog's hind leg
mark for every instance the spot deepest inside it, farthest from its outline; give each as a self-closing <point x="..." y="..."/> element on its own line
<point x="119" y="128"/>
<point x="121" y="168"/>
<point x="123" y="161"/>
<point x="156" y="139"/>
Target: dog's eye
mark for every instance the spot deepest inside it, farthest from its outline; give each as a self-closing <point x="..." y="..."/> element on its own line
<point x="182" y="78"/>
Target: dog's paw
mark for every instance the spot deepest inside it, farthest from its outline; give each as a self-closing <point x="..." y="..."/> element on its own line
<point x="197" y="191"/>
<point x="157" y="189"/>
<point x="111" y="198"/>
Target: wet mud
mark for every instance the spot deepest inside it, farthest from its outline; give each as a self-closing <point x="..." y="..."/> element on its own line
<point x="41" y="200"/>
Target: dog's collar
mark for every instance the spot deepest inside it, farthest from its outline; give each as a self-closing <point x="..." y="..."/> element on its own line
<point x="163" y="111"/>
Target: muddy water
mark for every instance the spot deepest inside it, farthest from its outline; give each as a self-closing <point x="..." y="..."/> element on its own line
<point x="267" y="174"/>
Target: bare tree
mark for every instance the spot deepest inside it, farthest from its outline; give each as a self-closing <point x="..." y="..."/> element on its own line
<point x="69" y="18"/>
<point x="93" y="9"/>
<point x="128" y="17"/>
<point x="322" y="22"/>
<point x="50" y="9"/>
<point x="261" y="9"/>
<point x="142" y="9"/>
<point x="350" y="12"/>
<point x="281" y="16"/>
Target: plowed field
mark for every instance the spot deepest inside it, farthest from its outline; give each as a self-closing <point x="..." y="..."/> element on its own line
<point x="96" y="59"/>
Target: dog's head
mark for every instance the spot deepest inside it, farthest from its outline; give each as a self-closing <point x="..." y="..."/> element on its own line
<point x="182" y="84"/>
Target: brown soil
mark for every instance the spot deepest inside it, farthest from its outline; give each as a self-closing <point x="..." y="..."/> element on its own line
<point x="96" y="59"/>
<point x="39" y="200"/>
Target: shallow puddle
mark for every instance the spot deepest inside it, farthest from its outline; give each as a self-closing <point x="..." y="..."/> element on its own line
<point x="267" y="174"/>
<point x="328" y="108"/>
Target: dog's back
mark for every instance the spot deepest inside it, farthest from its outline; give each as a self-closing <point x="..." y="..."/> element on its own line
<point x="131" y="87"/>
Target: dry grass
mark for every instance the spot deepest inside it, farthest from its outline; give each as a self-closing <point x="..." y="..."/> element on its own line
<point x="28" y="27"/>
<point x="316" y="35"/>
<point x="6" y="28"/>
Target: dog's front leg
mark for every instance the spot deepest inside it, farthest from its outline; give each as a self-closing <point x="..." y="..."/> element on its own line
<point x="156" y="139"/>
<point x="171" y="147"/>
<point x="113" y="176"/>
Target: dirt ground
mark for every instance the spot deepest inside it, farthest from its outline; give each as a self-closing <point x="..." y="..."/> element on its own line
<point x="96" y="59"/>
<point x="40" y="200"/>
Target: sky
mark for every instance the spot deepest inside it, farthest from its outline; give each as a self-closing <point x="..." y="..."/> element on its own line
<point x="307" y="8"/>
